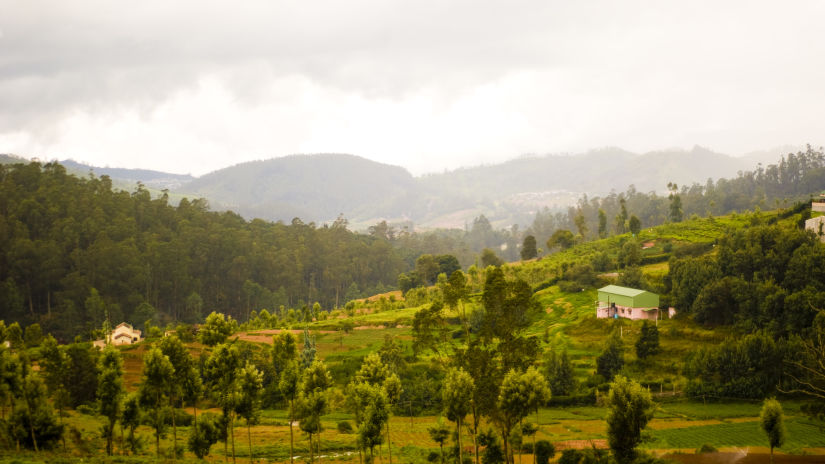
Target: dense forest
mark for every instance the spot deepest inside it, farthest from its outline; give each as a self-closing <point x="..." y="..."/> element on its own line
<point x="74" y="252"/>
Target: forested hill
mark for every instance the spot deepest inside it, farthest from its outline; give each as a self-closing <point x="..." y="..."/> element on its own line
<point x="321" y="187"/>
<point x="314" y="188"/>
<point x="73" y="250"/>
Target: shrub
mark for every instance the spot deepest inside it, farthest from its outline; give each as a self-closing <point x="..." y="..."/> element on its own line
<point x="544" y="451"/>
<point x="344" y="427"/>
<point x="706" y="448"/>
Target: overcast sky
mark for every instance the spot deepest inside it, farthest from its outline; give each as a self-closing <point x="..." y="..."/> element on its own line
<point x="193" y="86"/>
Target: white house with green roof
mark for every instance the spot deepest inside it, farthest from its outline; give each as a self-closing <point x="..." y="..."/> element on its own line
<point x="631" y="303"/>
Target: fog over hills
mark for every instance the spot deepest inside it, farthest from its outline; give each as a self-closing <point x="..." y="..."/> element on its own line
<point x="318" y="188"/>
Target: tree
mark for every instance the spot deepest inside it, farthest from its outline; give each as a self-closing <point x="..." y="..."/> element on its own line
<point x="560" y="374"/>
<point x="155" y="385"/>
<point x="457" y="395"/>
<point x="54" y="366"/>
<point x="581" y="223"/>
<point x="216" y="329"/>
<point x="675" y="210"/>
<point x="130" y="418"/>
<point x="32" y="423"/>
<point x="313" y="401"/>
<point x="528" y="248"/>
<point x="602" y="223"/>
<point x="203" y="436"/>
<point x="611" y="360"/>
<point x="538" y="394"/>
<point x="221" y="371"/>
<point x="393" y="390"/>
<point x="427" y="268"/>
<point x="630" y="408"/>
<point x="772" y="422"/>
<point x="635" y="225"/>
<point x="514" y="405"/>
<point x="187" y="384"/>
<point x="808" y="368"/>
<point x="439" y="434"/>
<point x="490" y="258"/>
<point x="648" y="342"/>
<point x="375" y="414"/>
<point x="561" y="238"/>
<point x="428" y="327"/>
<point x="249" y="403"/>
<point x="288" y="383"/>
<point x="110" y="391"/>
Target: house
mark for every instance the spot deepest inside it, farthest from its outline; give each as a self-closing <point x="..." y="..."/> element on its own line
<point x="817" y="226"/>
<point x="123" y="334"/>
<point x="615" y="302"/>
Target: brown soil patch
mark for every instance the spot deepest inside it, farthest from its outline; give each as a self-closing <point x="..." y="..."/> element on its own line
<point x="744" y="457"/>
<point x="581" y="444"/>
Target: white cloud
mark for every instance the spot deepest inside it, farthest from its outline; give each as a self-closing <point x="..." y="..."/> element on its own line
<point x="195" y="86"/>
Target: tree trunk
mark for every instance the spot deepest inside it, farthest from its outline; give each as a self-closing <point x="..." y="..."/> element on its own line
<point x="311" y="457"/>
<point x="291" y="439"/>
<point x="458" y="434"/>
<point x="389" y="443"/>
<point x="249" y="435"/>
<point x="232" y="434"/>
<point x="174" y="435"/>
<point x="475" y="431"/>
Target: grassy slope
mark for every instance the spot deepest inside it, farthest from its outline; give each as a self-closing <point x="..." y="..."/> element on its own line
<point x="567" y="322"/>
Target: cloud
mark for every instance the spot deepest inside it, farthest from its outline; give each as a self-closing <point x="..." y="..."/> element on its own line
<point x="427" y="84"/>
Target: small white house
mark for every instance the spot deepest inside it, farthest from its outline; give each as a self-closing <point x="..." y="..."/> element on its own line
<point x="123" y="334"/>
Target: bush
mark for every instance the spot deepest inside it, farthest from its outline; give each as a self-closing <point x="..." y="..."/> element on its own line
<point x="585" y="456"/>
<point x="202" y="437"/>
<point x="706" y="448"/>
<point x="544" y="451"/>
<point x="344" y="427"/>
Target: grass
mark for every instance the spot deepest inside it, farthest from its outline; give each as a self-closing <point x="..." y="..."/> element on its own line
<point x="801" y="433"/>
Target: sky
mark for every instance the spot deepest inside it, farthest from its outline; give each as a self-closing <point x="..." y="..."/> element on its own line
<point x="192" y="86"/>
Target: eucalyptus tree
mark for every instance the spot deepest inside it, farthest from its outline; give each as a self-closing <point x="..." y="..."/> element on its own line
<point x="393" y="390"/>
<point x="248" y="406"/>
<point x="155" y="385"/>
<point x="316" y="381"/>
<point x="221" y="373"/>
<point x="287" y="373"/>
<point x="630" y="408"/>
<point x="187" y="385"/>
<point x="110" y="391"/>
<point x="538" y="394"/>
<point x="457" y="396"/>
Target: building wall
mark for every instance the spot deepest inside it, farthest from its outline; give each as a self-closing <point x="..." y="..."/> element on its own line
<point x="816" y="225"/>
<point x="603" y="312"/>
<point x="818" y="206"/>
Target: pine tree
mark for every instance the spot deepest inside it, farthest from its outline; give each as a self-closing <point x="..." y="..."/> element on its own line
<point x="110" y="391"/>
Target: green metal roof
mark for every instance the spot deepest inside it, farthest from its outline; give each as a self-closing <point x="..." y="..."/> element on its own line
<point x="624" y="291"/>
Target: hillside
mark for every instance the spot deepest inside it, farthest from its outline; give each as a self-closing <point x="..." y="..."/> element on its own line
<point x="320" y="187"/>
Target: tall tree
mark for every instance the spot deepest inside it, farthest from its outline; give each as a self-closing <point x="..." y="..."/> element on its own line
<point x="648" y="342"/>
<point x="110" y="391"/>
<point x="313" y="402"/>
<point x="249" y="401"/>
<point x="528" y="248"/>
<point x="155" y="385"/>
<point x="457" y="395"/>
<point x="772" y="422"/>
<point x="221" y="371"/>
<point x="630" y="408"/>
<point x="611" y="360"/>
<point x="187" y="384"/>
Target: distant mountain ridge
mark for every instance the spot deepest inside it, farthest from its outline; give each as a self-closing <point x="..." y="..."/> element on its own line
<point x="318" y="188"/>
<point x="321" y="187"/>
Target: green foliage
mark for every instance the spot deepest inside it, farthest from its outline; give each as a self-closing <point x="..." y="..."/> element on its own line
<point x="490" y="258"/>
<point x="562" y="239"/>
<point x="110" y="391"/>
<point x="746" y="367"/>
<point x="82" y="373"/>
<point x="772" y="422"/>
<point x="528" y="248"/>
<point x="216" y="329"/>
<point x="559" y="372"/>
<point x="156" y="383"/>
<point x="428" y="328"/>
<point x="648" y="342"/>
<point x="33" y="423"/>
<point x="630" y="409"/>
<point x="544" y="451"/>
<point x="611" y="360"/>
<point x="203" y="435"/>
